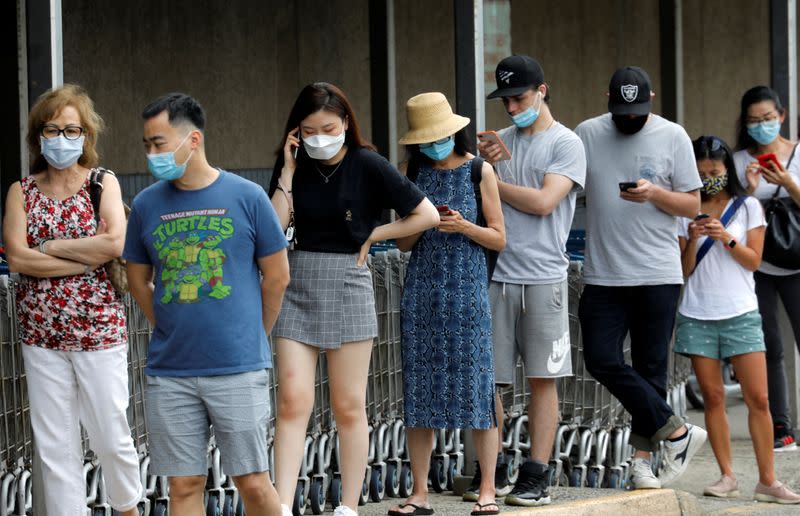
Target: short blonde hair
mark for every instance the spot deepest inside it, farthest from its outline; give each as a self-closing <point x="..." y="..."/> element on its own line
<point x="48" y="106"/>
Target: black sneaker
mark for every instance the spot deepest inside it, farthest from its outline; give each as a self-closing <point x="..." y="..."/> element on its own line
<point x="531" y="487"/>
<point x="784" y="439"/>
<point x="473" y="491"/>
<point x="501" y="485"/>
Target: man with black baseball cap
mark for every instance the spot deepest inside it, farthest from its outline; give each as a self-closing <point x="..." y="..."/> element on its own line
<point x="528" y="292"/>
<point x="641" y="175"/>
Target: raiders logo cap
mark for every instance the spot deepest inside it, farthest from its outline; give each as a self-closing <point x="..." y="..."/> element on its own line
<point x="515" y="75"/>
<point x="629" y="92"/>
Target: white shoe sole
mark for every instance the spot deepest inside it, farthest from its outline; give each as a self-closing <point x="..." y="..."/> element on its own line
<point x="656" y="485"/>
<point x="772" y="499"/>
<point x="499" y="493"/>
<point x="698" y="438"/>
<point x="792" y="447"/>
<point x="524" y="503"/>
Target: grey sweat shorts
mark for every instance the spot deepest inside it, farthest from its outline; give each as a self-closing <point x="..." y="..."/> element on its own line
<point x="531" y="321"/>
<point x="180" y="409"/>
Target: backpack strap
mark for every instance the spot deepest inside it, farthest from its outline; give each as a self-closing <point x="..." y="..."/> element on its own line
<point x="476" y="174"/>
<point x="725" y="220"/>
<point x="96" y="189"/>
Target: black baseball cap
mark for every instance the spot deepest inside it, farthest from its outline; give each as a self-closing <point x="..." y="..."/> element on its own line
<point x="515" y="75"/>
<point x="629" y="92"/>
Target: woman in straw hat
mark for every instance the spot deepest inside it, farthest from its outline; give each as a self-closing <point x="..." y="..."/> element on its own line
<point x="330" y="189"/>
<point x="448" y="377"/>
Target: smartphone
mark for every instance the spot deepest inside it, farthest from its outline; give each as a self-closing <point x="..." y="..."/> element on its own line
<point x="625" y="186"/>
<point x="443" y="209"/>
<point x="701" y="217"/>
<point x="765" y="160"/>
<point x="493" y="137"/>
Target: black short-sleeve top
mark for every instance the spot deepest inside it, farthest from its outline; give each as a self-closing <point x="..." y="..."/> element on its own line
<point x="338" y="215"/>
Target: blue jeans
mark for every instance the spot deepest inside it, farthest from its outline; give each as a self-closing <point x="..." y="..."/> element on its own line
<point x="607" y="314"/>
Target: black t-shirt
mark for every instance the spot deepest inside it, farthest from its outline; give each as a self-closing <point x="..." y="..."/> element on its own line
<point x="337" y="216"/>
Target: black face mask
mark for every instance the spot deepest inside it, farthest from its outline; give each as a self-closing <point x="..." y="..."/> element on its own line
<point x="627" y="125"/>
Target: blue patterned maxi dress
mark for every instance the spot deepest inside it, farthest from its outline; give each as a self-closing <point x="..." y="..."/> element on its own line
<point x="448" y="378"/>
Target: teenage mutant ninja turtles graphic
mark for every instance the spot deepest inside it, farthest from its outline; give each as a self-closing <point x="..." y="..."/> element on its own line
<point x="192" y="260"/>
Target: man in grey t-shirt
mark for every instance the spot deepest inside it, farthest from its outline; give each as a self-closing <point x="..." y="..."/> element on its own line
<point x="641" y="175"/>
<point x="528" y="292"/>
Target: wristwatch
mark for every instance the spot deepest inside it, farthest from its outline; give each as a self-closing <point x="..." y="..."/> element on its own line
<point x="731" y="244"/>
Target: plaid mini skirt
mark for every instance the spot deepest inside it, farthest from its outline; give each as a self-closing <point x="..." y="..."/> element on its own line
<point x="330" y="301"/>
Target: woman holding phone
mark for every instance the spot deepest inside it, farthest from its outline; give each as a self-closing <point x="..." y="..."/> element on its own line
<point x="718" y="317"/>
<point x="759" y="128"/>
<point x="446" y="326"/>
<point x="330" y="189"/>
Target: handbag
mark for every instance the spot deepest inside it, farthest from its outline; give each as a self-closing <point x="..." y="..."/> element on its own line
<point x="116" y="269"/>
<point x="782" y="239"/>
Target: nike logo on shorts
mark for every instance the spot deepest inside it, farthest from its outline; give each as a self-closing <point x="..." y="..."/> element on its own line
<point x="555" y="361"/>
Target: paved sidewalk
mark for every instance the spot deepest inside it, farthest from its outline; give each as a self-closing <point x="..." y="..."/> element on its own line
<point x="686" y="499"/>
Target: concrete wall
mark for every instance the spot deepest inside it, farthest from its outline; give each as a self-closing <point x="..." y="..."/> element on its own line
<point x="726" y="51"/>
<point x="244" y="60"/>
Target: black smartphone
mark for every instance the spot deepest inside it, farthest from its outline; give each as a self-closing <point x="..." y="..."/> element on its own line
<point x="702" y="216"/>
<point x="625" y="186"/>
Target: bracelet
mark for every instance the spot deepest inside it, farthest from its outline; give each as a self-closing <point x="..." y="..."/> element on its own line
<point x="283" y="189"/>
<point x="41" y="246"/>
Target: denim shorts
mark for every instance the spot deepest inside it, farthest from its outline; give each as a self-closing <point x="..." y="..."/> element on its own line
<point x="180" y="410"/>
<point x="720" y="339"/>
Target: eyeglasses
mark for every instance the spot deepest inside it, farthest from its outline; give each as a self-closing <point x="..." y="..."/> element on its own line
<point x="769" y="117"/>
<point x="705" y="145"/>
<point x="71" y="132"/>
<point x="437" y="142"/>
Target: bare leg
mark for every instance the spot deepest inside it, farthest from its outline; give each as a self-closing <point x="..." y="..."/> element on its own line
<point x="348" y="368"/>
<point x="296" y="372"/>
<point x="260" y="497"/>
<point x="186" y="496"/>
<point x="751" y="370"/>
<point x="485" y="445"/>
<point x="420" y="446"/>
<point x="710" y="379"/>
<point x="542" y="417"/>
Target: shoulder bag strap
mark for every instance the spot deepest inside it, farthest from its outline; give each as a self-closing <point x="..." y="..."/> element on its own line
<point x="788" y="163"/>
<point x="725" y="220"/>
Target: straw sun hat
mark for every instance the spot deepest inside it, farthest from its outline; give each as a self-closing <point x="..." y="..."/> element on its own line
<point x="431" y="118"/>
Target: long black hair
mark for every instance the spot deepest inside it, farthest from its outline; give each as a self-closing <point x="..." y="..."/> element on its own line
<point x="715" y="149"/>
<point x="752" y="96"/>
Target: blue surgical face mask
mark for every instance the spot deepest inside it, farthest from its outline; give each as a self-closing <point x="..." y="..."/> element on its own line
<point x="527" y="117"/>
<point x="438" y="150"/>
<point x="764" y="132"/>
<point x="163" y="166"/>
<point x="61" y="153"/>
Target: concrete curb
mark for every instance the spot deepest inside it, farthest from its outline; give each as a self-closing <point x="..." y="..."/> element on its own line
<point x="642" y="502"/>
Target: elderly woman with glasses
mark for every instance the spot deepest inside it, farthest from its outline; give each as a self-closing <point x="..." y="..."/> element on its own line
<point x="718" y="316"/>
<point x="760" y="121"/>
<point x="71" y="320"/>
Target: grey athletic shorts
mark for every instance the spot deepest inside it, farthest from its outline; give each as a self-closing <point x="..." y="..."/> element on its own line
<point x="531" y="321"/>
<point x="180" y="409"/>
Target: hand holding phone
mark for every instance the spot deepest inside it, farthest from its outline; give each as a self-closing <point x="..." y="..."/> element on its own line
<point x="443" y="209"/>
<point x="627" y="185"/>
<point x="766" y="160"/>
<point x="492" y="138"/>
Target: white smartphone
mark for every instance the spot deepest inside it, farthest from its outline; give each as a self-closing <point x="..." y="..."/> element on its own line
<point x="493" y="137"/>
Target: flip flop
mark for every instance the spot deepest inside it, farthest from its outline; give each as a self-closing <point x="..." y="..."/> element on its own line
<point x="418" y="510"/>
<point x="485" y="512"/>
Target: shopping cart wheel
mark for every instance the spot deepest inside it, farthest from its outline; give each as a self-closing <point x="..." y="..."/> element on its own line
<point x="513" y="468"/>
<point x="317" y="496"/>
<point x="392" y="480"/>
<point x="212" y="506"/>
<point x="438" y="475"/>
<point x="615" y="479"/>
<point x="335" y="492"/>
<point x="406" y="481"/>
<point x="452" y="473"/>
<point x="364" y="497"/>
<point x="227" y="507"/>
<point x="575" y="478"/>
<point x="160" y="509"/>
<point x="299" y="504"/>
<point x="376" y="488"/>
<point x="592" y="478"/>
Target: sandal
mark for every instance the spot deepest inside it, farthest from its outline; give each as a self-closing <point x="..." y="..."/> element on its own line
<point x="418" y="510"/>
<point x="482" y="511"/>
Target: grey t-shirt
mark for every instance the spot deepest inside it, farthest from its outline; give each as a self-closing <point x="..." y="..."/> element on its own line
<point x="627" y="243"/>
<point x="535" y="251"/>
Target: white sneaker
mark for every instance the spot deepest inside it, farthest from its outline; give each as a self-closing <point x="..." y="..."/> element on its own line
<point x="642" y="476"/>
<point x="344" y="510"/>
<point x="678" y="455"/>
<point x="285" y="510"/>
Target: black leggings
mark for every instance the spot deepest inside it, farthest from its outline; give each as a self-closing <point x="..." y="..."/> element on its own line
<point x="768" y="288"/>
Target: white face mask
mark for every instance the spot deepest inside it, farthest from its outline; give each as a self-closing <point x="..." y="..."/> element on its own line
<point x="323" y="146"/>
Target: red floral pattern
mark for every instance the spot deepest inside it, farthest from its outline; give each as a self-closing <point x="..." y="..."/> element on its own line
<point x="71" y="313"/>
